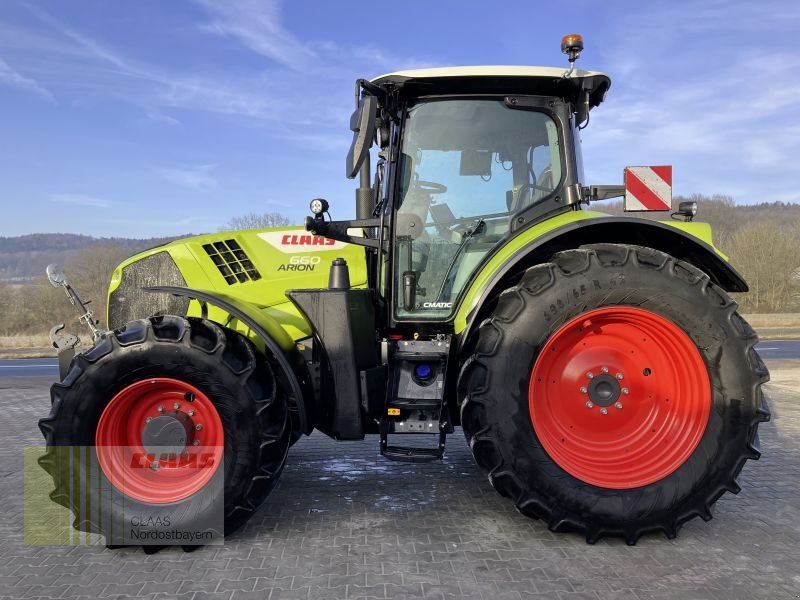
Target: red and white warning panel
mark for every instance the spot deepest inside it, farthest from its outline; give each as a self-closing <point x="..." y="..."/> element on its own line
<point x="648" y="188"/>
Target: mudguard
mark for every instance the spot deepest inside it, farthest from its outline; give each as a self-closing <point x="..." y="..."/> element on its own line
<point x="691" y="242"/>
<point x="267" y="330"/>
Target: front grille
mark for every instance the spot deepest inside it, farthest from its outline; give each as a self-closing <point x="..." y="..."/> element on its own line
<point x="232" y="261"/>
<point x="130" y="302"/>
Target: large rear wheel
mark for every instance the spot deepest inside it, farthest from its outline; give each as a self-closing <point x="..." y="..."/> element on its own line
<point x="614" y="391"/>
<point x="168" y="419"/>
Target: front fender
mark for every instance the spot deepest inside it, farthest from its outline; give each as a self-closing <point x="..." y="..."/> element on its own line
<point x="268" y="332"/>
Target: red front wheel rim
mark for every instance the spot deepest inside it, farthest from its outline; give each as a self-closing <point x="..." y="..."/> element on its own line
<point x="159" y="440"/>
<point x="619" y="397"/>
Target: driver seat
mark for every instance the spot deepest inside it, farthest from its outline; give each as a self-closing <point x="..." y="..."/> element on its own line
<point x="530" y="194"/>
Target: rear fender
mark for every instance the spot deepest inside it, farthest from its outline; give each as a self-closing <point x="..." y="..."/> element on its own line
<point x="264" y="331"/>
<point x="686" y="241"/>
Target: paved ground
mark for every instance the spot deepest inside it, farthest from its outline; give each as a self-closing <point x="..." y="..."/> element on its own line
<point x="343" y="523"/>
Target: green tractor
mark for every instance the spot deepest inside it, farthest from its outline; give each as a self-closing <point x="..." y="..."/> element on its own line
<point x="597" y="365"/>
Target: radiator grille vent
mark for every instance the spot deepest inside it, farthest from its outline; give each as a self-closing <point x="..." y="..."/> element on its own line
<point x="232" y="262"/>
<point x="129" y="301"/>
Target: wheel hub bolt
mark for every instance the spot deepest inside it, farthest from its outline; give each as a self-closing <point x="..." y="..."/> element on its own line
<point x="191" y="413"/>
<point x="604" y="411"/>
<point x="604" y="369"/>
<point x="160" y="408"/>
<point x="583" y="390"/>
<point x="148" y="419"/>
<point x="625" y="391"/>
<point x="618" y="404"/>
<point x="196" y="442"/>
<point x="589" y="404"/>
<point x="619" y="376"/>
<point x="590" y="375"/>
<point x="176" y="406"/>
<point x="155" y="466"/>
<point x="199" y="426"/>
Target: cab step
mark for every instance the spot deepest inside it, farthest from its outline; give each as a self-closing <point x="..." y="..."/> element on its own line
<point x="413" y="454"/>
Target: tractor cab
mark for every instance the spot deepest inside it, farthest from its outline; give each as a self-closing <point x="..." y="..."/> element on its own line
<point x="472" y="166"/>
<point x="468" y="157"/>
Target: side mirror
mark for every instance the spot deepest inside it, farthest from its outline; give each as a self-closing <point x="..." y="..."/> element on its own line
<point x="55" y="275"/>
<point x="362" y="124"/>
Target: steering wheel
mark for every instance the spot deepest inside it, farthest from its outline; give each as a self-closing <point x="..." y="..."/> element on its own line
<point x="429" y="187"/>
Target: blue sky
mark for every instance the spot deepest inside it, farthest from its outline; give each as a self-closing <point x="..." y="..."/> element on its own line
<point x="152" y="118"/>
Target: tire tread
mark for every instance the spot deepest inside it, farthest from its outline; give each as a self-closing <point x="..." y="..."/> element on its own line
<point x="236" y="354"/>
<point x="475" y="381"/>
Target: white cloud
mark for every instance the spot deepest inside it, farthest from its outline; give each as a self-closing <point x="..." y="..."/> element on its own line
<point x="257" y="25"/>
<point x="198" y="178"/>
<point x="198" y="221"/>
<point x="80" y="200"/>
<point x="702" y="95"/>
<point x="763" y="154"/>
<point x="88" y="45"/>
<point x="714" y="16"/>
<point x="333" y="142"/>
<point x="219" y="97"/>
<point x="87" y="71"/>
<point x="12" y="78"/>
<point x="160" y="117"/>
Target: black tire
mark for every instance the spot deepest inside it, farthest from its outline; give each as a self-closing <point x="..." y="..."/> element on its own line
<point x="494" y="384"/>
<point x="219" y="362"/>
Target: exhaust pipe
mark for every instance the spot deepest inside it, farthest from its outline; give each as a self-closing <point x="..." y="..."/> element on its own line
<point x="364" y="193"/>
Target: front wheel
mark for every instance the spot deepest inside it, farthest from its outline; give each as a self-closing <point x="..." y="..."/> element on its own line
<point x="614" y="391"/>
<point x="167" y="422"/>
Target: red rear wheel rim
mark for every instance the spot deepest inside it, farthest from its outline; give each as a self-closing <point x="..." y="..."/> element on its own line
<point x="159" y="474"/>
<point x="619" y="397"/>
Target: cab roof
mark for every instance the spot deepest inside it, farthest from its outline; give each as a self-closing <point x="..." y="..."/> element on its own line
<point x="500" y="78"/>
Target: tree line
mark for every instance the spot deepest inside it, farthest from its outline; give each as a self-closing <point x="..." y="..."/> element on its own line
<point x="762" y="242"/>
<point x="25" y="257"/>
<point x="33" y="308"/>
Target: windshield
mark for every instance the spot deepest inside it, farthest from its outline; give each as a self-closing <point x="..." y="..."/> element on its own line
<point x="467" y="167"/>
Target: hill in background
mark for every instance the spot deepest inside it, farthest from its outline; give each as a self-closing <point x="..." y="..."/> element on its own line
<point x="762" y="241"/>
<point x="725" y="217"/>
<point x="24" y="258"/>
